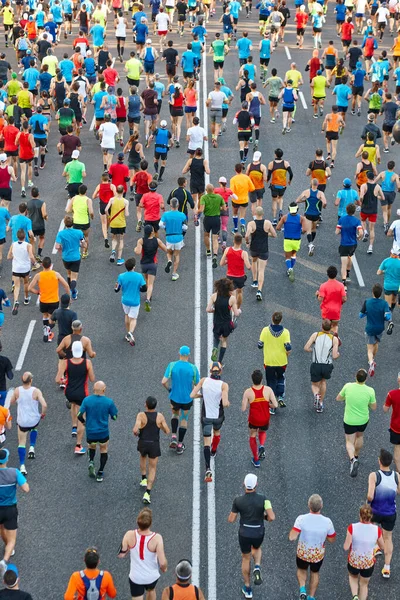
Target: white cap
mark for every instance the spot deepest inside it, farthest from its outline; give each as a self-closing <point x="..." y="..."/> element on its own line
<point x="77" y="349"/>
<point x="89" y="53"/>
<point x="250" y="481"/>
<point x="222" y="180"/>
<point x="148" y="41"/>
<point x="3" y="157"/>
<point x="75" y="154"/>
<point x="257" y="155"/>
<point x="163" y="123"/>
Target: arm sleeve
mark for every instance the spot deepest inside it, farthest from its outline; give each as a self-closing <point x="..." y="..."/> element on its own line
<point x="289" y="170"/>
<point x="267" y="505"/>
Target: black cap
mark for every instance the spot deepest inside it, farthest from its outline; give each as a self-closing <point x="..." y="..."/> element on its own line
<point x="121" y="156"/>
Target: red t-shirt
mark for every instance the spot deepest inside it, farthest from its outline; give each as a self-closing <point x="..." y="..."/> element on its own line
<point x="347" y="31"/>
<point x="142" y="179"/>
<point x="393" y="400"/>
<point x="10" y="132"/>
<point x="333" y="293"/>
<point x="301" y="20"/>
<point x="152" y="202"/>
<point x="118" y="172"/>
<point x="110" y="76"/>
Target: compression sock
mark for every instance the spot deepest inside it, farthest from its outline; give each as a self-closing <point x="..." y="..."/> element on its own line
<point x="393" y="306"/>
<point x="221" y="354"/>
<point x="118" y="49"/>
<point x="162" y="172"/>
<point x="246" y="151"/>
<point x="40" y="250"/>
<point x="288" y="263"/>
<point x="207" y="456"/>
<point x="224" y="235"/>
<point x="103" y="460"/>
<point x="314" y="233"/>
<point x="262" y="436"/>
<point x="92" y="454"/>
<point x="181" y="434"/>
<point x="21" y="454"/>
<point x="33" y="437"/>
<point x="241" y="152"/>
<point x="42" y="159"/>
<point x="309" y="238"/>
<point x="73" y="285"/>
<point x="156" y="167"/>
<point x="257" y="132"/>
<point x="122" y="51"/>
<point x="69" y="281"/>
<point x="293" y="259"/>
<point x="242" y="222"/>
<point x="235" y="222"/>
<point x="347" y="273"/>
<point x="216" y="341"/>
<point x="215" y="442"/>
<point x="174" y="425"/>
<point x="253" y="447"/>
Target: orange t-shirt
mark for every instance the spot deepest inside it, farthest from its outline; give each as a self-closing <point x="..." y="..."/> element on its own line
<point x="48" y="287"/>
<point x="76" y="588"/>
<point x="5" y="417"/>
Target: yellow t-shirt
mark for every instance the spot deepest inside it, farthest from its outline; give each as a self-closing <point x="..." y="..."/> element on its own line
<point x="8" y="16"/>
<point x="52" y="62"/>
<point x="274" y="346"/>
<point x="133" y="68"/>
<point x="241" y="185"/>
<point x="295" y="76"/>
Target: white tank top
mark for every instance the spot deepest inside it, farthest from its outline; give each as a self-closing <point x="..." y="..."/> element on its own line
<point x="120" y="30"/>
<point x="21" y="263"/>
<point x="212" y="395"/>
<point x="144" y="563"/>
<point x="28" y="413"/>
<point x="322" y="350"/>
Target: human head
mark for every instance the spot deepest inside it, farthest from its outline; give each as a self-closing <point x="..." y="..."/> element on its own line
<point x="257" y="377"/>
<point x="377" y="290"/>
<point x="279" y="153"/>
<point x="351" y="209"/>
<point x="276" y="318"/>
<point x="331" y="272"/>
<point x="183" y="571"/>
<point x="11" y="577"/>
<point x="237" y="239"/>
<point x="315" y="503"/>
<point x="174" y="203"/>
<point x="91" y="558"/>
<point x="365" y="513"/>
<point x="326" y="325"/>
<point x="144" y="519"/>
<point x="130" y="264"/>
<point x="151" y="402"/>
<point x="361" y="375"/>
<point x="4" y="455"/>
<point x="46" y="262"/>
<point x="76" y="325"/>
<point x="385" y="458"/>
<point x="27" y="378"/>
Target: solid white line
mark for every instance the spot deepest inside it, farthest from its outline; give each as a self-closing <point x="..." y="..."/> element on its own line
<point x="8" y="397"/>
<point x="303" y="100"/>
<point x="358" y="273"/>
<point x="25" y="345"/>
<point x="92" y="124"/>
<point x="211" y="513"/>
<point x="288" y="53"/>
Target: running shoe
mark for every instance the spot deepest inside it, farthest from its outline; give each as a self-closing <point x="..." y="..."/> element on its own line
<point x="139" y="226"/>
<point x="23" y="470"/>
<point x="370" y="249"/>
<point x="254" y="284"/>
<point x="168" y="266"/>
<point x="85" y="254"/>
<point x="74" y="432"/>
<point x="281" y="402"/>
<point x="208" y="253"/>
<point x="100" y="476"/>
<point x="317" y="399"/>
<point x="365" y="236"/>
<point x="257" y="579"/>
<point x="389" y="329"/>
<point x="261" y="453"/>
<point x="68" y="404"/>
<point x="311" y="249"/>
<point x="385" y="573"/>
<point x="377" y="551"/>
<point x="143" y="482"/>
<point x="180" y="448"/>
<point x="27" y="300"/>
<point x="354" y="464"/>
<point x="214" y="452"/>
<point x="36" y="266"/>
<point x="242" y="229"/>
<point x="36" y="171"/>
<point x="208" y="476"/>
<point x="146" y="498"/>
<point x="288" y="130"/>
<point x="214" y="262"/>
<point x="112" y="256"/>
<point x="106" y="243"/>
<point x="259" y="295"/>
<point x="177" y="144"/>
<point x="214" y="354"/>
<point x="353" y="112"/>
<point x="320" y="407"/>
<point x="120" y="262"/>
<point x="175" y="276"/>
<point x="272" y="411"/>
<point x="332" y="165"/>
<point x="274" y="222"/>
<point x="74" y="294"/>
<point x="31" y="452"/>
<point x="23" y="193"/>
<point x="155" y="176"/>
<point x="79" y="450"/>
<point x="129" y="338"/>
<point x="147" y="305"/>
<point x="315" y="116"/>
<point x="256" y="463"/>
<point x="303" y="596"/>
<point x="173" y="443"/>
<point x="371" y="370"/>
<point x="386" y="150"/>
<point x="247" y="592"/>
<point x="283" y="133"/>
<point x="271" y="120"/>
<point x="386" y="228"/>
<point x="38" y="258"/>
<point x="290" y="274"/>
<point x="45" y="333"/>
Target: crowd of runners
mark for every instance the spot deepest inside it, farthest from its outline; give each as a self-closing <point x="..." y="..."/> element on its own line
<point x="71" y="70"/>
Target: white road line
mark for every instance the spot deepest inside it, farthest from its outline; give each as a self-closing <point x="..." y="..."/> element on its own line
<point x="358" y="273"/>
<point x="92" y="124"/>
<point x="211" y="516"/>
<point x="303" y="100"/>
<point x="8" y="397"/>
<point x="289" y="56"/>
<point x="25" y="345"/>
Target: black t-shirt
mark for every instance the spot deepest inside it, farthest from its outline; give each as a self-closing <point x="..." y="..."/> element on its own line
<point x="64" y="318"/>
<point x="71" y="143"/>
<point x="170" y="55"/>
<point x="5" y="367"/>
<point x="14" y="595"/>
<point x="355" y="54"/>
<point x="43" y="46"/>
<point x="4" y="68"/>
<point x="181" y="7"/>
<point x="251" y="510"/>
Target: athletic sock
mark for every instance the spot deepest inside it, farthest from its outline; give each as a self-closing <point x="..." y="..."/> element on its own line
<point x="40" y="250"/>
<point x="103" y="460"/>
<point x="393" y="306"/>
<point x="174" y="425"/>
<point x="92" y="454"/>
<point x="33" y="437"/>
<point x="21" y="454"/>
<point x="309" y="238"/>
<point x="262" y="436"/>
<point x="162" y="172"/>
<point x="347" y="273"/>
<point x="293" y="259"/>
<point x="144" y="477"/>
<point x="221" y="354"/>
<point x="314" y="233"/>
<point x="257" y="133"/>
<point x="181" y="434"/>
<point x="253" y="447"/>
<point x="73" y="285"/>
<point x="235" y="222"/>
<point x="215" y="442"/>
<point x="69" y="281"/>
<point x="241" y="152"/>
<point x="207" y="456"/>
<point x="246" y="151"/>
<point x="288" y="263"/>
<point x="216" y="342"/>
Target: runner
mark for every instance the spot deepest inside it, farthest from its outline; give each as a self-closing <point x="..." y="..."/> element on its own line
<point x="81" y="207"/>
<point x="389" y="186"/>
<point x="147" y="248"/>
<point x="198" y="168"/>
<point x="179" y="379"/>
<point x="117" y="210"/>
<point x="370" y="192"/>
<point x="21" y="255"/>
<point x="91" y="580"/>
<point x="315" y="201"/>
<point x="390" y="268"/>
<point x="289" y="97"/>
<point x="236" y="260"/>
<point x="319" y="169"/>
<point x="183" y="586"/>
<point x="258" y="175"/>
<point x="223" y="305"/>
<point x="254" y="509"/>
<point x="175" y="224"/>
<point x="70" y="241"/>
<point x="147" y="427"/>
<point x="359" y="401"/>
<point x="350" y="230"/>
<point x="279" y="175"/>
<point x="211" y="205"/>
<point x="257" y="240"/>
<point x="131" y="284"/>
<point x="293" y="226"/>
<point x="162" y="143"/>
<point x="259" y="399"/>
<point x="333" y="125"/>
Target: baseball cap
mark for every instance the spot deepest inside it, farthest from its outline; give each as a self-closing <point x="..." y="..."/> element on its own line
<point x="163" y="123"/>
<point x="4" y="454"/>
<point x="75" y="154"/>
<point x="222" y="180"/>
<point x="67" y="101"/>
<point x="221" y="80"/>
<point x="257" y="155"/>
<point x="359" y="65"/>
<point x="371" y="117"/>
<point x="148" y="41"/>
<point x="293" y="209"/>
<point x="89" y="53"/>
<point x="121" y="156"/>
<point x="29" y="51"/>
<point x="14" y="75"/>
<point x="347" y="182"/>
<point x="3" y="157"/>
<point x="65" y="299"/>
<point x="77" y="349"/>
<point x="250" y="481"/>
<point x="184" y="350"/>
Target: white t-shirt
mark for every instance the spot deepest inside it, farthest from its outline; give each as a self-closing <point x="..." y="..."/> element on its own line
<point x="395" y="227"/>
<point x="382" y="14"/>
<point x="162" y="21"/>
<point x="197" y="135"/>
<point x="217" y="99"/>
<point x="109" y="131"/>
<point x="314" y="529"/>
<point x="361" y="4"/>
<point x="364" y="539"/>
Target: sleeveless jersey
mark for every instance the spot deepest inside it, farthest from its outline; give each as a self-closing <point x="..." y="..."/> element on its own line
<point x="144" y="563"/>
<point x="322" y="349"/>
<point x="259" y="409"/>
<point x="117" y="213"/>
<point x="28" y="414"/>
<point x="48" y="287"/>
<point x="256" y="176"/>
<point x="235" y="263"/>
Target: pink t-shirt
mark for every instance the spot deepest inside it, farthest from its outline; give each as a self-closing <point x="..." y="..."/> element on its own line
<point x="332" y="292"/>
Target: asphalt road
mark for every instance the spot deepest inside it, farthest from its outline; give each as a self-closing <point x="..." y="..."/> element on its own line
<point x="66" y="511"/>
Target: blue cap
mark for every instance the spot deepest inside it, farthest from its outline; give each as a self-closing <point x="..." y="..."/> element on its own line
<point x="347" y="182"/>
<point x="67" y="101"/>
<point x="183" y="351"/>
<point x="359" y="65"/>
<point x="11" y="567"/>
<point x="4" y="454"/>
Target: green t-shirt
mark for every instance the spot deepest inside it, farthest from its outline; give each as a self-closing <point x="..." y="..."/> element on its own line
<point x="133" y="68"/>
<point x="358" y="398"/>
<point x="75" y="169"/>
<point x="65" y="117"/>
<point x="319" y="83"/>
<point x="212" y="204"/>
<point x="275" y="85"/>
<point x="218" y="47"/>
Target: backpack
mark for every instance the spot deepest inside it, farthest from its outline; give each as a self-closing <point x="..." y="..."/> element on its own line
<point x="92" y="586"/>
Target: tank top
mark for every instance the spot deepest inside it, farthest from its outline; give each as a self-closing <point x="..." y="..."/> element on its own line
<point x="256" y="176"/>
<point x="149" y="56"/>
<point x="134" y="155"/>
<point x="35" y="214"/>
<point x="330" y="57"/>
<point x="288" y="98"/>
<point x="396" y="50"/>
<point x="134" y="106"/>
<point x="235" y="263"/>
<point x="362" y="176"/>
<point x="77" y="62"/>
<point x="144" y="563"/>
<point x="190" y="97"/>
<point x="318" y="171"/>
<point x="75" y="105"/>
<point x="48" y="287"/>
<point x="102" y="59"/>
<point x="313" y="204"/>
<point x="28" y="414"/>
<point x="255" y="105"/>
<point x="121" y="107"/>
<point x="5" y="177"/>
<point x="259" y="409"/>
<point x="183" y="591"/>
<point x="150" y="432"/>
<point x="21" y="263"/>
<point x="149" y="251"/>
<point x="178" y="102"/>
<point x="364" y="538"/>
<point x="315" y="65"/>
<point x="226" y="22"/>
<point x="117" y="213"/>
<point x="322" y="349"/>
<point x="244" y="89"/>
<point x="83" y="19"/>
<point x="369" y="205"/>
<point x="371" y="149"/>
<point x="80" y="210"/>
<point x="13" y="88"/>
<point x="212" y="399"/>
<point x="278" y="176"/>
<point x="105" y="193"/>
<point x="259" y="238"/>
<point x="197" y="172"/>
<point x="75" y="337"/>
<point x="46" y="109"/>
<point x="76" y="386"/>
<point x="387" y="184"/>
<point x="293" y="227"/>
<point x="24" y="99"/>
<point x="384" y="502"/>
<point x="110" y="107"/>
<point x="333" y="123"/>
<point x="25" y="148"/>
<point x="120" y="30"/>
<point x="222" y="310"/>
<point x="59" y="90"/>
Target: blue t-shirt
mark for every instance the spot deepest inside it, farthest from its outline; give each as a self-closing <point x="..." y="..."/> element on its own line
<point x="90" y="66"/>
<point x="3" y="296"/>
<point x="243" y="46"/>
<point x="52" y="28"/>
<point x="31" y="75"/>
<point x="342" y="92"/>
<point x="265" y="50"/>
<point x="37" y="123"/>
<point x="56" y="11"/>
<point x="97" y="33"/>
<point x="396" y="73"/>
<point x="200" y="31"/>
<point x="160" y="89"/>
<point x="40" y="16"/>
<point x="70" y="241"/>
<point x="349" y="225"/>
<point x="67" y="6"/>
<point x="4" y="218"/>
<point x="173" y="221"/>
<point x="188" y="59"/>
<point x="375" y="310"/>
<point x="98" y="411"/>
<point x="359" y="75"/>
<point x="45" y="81"/>
<point x="346" y="197"/>
<point x="228" y="93"/>
<point x="234" y="8"/>
<point x="130" y="283"/>
<point x="9" y="480"/>
<point x="183" y="376"/>
<point x="142" y="31"/>
<point x="137" y="17"/>
<point x="67" y="66"/>
<point x="391" y="276"/>
<point x="97" y="99"/>
<point x="340" y="11"/>
<point x="20" y="222"/>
